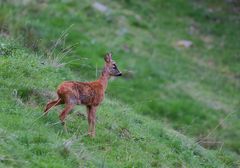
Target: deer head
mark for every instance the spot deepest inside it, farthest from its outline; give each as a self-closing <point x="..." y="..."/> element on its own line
<point x="110" y="66"/>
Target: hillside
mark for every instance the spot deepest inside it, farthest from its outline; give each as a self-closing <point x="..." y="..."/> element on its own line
<point x="124" y="138"/>
<point x="175" y="106"/>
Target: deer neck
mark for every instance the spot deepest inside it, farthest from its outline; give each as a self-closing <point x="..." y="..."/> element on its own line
<point x="104" y="78"/>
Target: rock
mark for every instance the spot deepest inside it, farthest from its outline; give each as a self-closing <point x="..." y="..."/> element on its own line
<point x="207" y="39"/>
<point x="122" y="31"/>
<point x="126" y="48"/>
<point x="184" y="43"/>
<point x="100" y="7"/>
<point x="193" y="29"/>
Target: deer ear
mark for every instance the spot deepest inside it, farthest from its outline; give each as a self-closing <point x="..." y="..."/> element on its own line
<point x="108" y="57"/>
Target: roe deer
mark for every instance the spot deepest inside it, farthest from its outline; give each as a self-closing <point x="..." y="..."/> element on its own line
<point x="91" y="94"/>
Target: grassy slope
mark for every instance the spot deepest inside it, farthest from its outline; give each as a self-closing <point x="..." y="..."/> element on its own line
<point x="124" y="138"/>
<point x="191" y="90"/>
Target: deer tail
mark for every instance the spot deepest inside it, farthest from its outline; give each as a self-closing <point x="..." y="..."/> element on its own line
<point x="58" y="101"/>
<point x="52" y="104"/>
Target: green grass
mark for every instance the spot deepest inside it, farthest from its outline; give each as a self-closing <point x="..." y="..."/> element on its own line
<point x="189" y="90"/>
<point x="124" y="138"/>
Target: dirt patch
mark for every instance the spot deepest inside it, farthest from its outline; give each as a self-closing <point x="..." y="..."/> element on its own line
<point x="34" y="97"/>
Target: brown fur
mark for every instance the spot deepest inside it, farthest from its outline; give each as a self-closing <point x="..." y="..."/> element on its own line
<point x="90" y="94"/>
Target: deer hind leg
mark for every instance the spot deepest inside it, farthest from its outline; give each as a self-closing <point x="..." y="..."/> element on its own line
<point x="91" y="110"/>
<point x="65" y="111"/>
<point x="52" y="104"/>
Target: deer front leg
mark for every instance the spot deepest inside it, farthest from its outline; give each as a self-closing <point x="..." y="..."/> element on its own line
<point x="89" y="119"/>
<point x="93" y="121"/>
<point x="91" y="110"/>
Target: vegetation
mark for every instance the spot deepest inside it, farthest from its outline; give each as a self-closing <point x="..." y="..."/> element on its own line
<point x="176" y="106"/>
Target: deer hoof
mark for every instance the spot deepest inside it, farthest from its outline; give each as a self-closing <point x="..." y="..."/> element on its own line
<point x="91" y="135"/>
